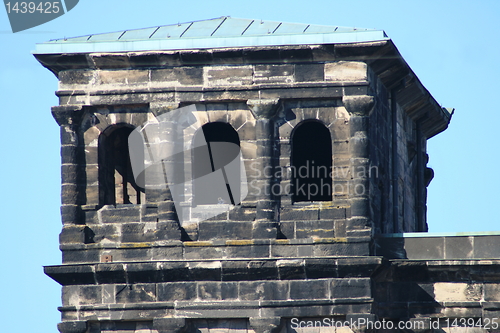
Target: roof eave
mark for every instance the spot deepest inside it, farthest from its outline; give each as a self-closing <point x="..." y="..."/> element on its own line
<point x="208" y="43"/>
<point x="409" y="91"/>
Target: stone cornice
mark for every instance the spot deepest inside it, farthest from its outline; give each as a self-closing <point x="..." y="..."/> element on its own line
<point x="219" y="270"/>
<point x="382" y="57"/>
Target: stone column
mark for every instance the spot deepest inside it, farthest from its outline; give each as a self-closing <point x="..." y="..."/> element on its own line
<point x="157" y="188"/>
<point x="265" y="225"/>
<point x="69" y="118"/>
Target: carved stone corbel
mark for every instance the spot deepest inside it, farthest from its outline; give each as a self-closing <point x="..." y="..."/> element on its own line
<point x="72" y="327"/>
<point x="359" y="105"/>
<point x="169" y="325"/>
<point x="265" y="325"/>
<point x="159" y="108"/>
<point x="263" y="108"/>
<point x="67" y="114"/>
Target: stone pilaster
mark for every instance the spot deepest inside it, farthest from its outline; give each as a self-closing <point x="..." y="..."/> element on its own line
<point x="69" y="119"/>
<point x="157" y="187"/>
<point x="359" y="108"/>
<point x="265" y="225"/>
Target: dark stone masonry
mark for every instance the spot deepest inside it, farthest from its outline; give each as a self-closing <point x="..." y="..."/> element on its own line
<point x="331" y="126"/>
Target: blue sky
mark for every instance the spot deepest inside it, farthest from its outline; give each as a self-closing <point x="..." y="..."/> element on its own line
<point x="452" y="46"/>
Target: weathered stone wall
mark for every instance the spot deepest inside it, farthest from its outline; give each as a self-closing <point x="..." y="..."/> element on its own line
<point x="397" y="160"/>
<point x="126" y="86"/>
<point x="102" y="99"/>
<point x="322" y="91"/>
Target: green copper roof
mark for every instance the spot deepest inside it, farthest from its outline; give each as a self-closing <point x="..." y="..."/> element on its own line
<point x="214" y="33"/>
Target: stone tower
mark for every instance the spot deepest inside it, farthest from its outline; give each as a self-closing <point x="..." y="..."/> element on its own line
<point x="330" y="128"/>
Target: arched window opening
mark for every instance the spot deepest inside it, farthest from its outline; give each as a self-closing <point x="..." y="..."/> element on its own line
<point x="216" y="176"/>
<point x="116" y="179"/>
<point x="311" y="162"/>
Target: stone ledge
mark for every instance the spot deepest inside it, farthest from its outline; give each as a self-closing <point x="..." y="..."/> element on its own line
<point x="444" y="262"/>
<point x="301" y="85"/>
<point x="204" y="310"/>
<point x="121" y="306"/>
<point x="464" y="262"/>
<point x="312" y="302"/>
<point x="491" y="305"/>
<point x="214" y="304"/>
<point x="212" y="270"/>
<point x="462" y="304"/>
